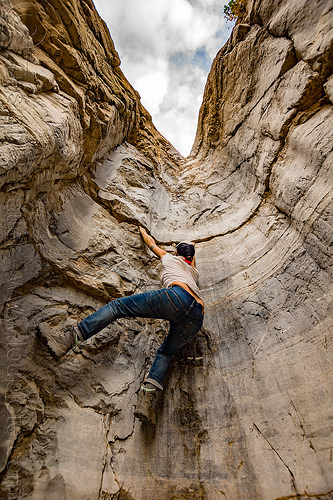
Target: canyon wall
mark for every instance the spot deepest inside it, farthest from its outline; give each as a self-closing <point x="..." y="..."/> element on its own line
<point x="246" y="413"/>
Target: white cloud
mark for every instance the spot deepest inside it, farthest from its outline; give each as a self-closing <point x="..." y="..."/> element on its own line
<point x="152" y="88"/>
<point x="178" y="129"/>
<point x="166" y="48"/>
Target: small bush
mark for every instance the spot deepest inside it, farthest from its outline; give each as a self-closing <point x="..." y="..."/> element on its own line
<point x="234" y="9"/>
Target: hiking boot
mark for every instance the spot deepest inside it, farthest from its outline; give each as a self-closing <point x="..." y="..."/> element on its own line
<point x="145" y="406"/>
<point x="60" y="343"/>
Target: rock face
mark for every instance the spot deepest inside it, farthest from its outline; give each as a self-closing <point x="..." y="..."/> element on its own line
<point x="247" y="409"/>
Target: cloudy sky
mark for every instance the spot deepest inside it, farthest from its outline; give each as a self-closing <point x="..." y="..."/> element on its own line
<point x="166" y="49"/>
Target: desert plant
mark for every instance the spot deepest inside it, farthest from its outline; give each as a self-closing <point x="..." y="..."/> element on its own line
<point x="233" y="9"/>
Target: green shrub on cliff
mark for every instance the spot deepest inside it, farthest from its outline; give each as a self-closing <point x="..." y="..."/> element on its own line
<point x="234" y="9"/>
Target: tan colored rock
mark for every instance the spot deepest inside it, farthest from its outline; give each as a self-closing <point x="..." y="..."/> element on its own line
<point x="14" y="35"/>
<point x="24" y="70"/>
<point x="329" y="88"/>
<point x="290" y="19"/>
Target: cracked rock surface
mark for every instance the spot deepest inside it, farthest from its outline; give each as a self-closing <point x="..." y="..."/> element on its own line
<point x="247" y="409"/>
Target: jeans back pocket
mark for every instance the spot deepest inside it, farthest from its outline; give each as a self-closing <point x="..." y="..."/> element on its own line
<point x="190" y="330"/>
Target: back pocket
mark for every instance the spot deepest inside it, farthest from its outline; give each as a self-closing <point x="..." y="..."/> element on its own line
<point x="190" y="331"/>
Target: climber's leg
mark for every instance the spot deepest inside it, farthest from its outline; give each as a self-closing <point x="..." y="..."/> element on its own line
<point x="168" y="303"/>
<point x="180" y="333"/>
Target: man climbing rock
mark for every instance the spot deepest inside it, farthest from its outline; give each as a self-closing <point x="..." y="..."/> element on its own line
<point x="179" y="302"/>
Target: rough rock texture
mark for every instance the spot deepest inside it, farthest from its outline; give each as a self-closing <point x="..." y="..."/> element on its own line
<point x="247" y="409"/>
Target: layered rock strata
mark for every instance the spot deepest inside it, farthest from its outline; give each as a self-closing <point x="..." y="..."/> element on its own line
<point x="247" y="409"/>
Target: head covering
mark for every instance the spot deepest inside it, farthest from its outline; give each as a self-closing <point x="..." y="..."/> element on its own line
<point x="186" y="249"/>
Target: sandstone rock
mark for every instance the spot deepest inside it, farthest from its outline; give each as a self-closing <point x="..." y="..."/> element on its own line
<point x="312" y="41"/>
<point x="22" y="69"/>
<point x="14" y="35"/>
<point x="246" y="411"/>
<point x="329" y="88"/>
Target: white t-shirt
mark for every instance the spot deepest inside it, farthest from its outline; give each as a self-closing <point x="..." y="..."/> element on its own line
<point x="176" y="269"/>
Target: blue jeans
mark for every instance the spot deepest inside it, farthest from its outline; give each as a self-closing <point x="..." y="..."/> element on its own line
<point x="173" y="304"/>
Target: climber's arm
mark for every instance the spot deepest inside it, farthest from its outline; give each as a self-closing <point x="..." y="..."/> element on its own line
<point x="150" y="242"/>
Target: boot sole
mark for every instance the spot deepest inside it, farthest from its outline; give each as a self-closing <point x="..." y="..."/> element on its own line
<point x="143" y="417"/>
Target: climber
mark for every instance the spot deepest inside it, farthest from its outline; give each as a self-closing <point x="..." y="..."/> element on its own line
<point x="179" y="302"/>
